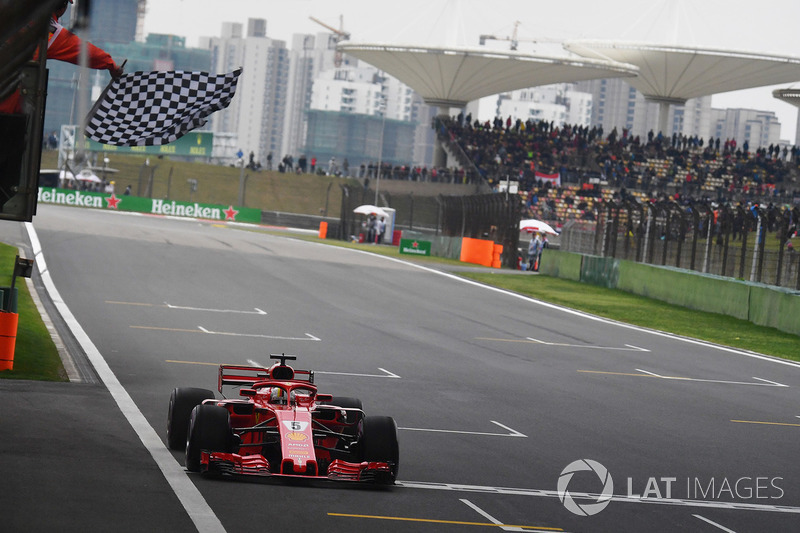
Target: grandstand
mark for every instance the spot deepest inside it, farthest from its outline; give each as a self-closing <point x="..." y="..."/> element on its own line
<point x="592" y="165"/>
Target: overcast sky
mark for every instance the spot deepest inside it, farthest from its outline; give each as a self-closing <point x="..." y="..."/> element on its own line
<point x="765" y="26"/>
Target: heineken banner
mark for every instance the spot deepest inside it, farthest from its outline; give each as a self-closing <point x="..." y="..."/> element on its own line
<point x="99" y="200"/>
<point x="197" y="144"/>
<point x="415" y="247"/>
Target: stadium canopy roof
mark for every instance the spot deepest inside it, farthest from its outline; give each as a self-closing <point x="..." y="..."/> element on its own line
<point x="790" y="96"/>
<point x="673" y="73"/>
<point x="454" y="76"/>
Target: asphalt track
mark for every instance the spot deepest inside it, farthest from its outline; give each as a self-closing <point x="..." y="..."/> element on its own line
<point x="495" y="395"/>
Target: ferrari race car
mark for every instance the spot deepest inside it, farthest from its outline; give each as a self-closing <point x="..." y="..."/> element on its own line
<point x="281" y="427"/>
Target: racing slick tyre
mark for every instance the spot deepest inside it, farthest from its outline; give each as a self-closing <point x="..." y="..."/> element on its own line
<point x="181" y="403"/>
<point x="210" y="430"/>
<point x="380" y="444"/>
<point x="346" y="402"/>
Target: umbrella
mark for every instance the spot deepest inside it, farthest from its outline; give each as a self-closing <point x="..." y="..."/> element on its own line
<point x="368" y="209"/>
<point x="88" y="175"/>
<point x="531" y="225"/>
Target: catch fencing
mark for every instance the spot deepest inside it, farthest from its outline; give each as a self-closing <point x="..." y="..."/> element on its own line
<point x="749" y="243"/>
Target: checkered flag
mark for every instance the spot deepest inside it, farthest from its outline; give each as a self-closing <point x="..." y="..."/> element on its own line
<point x="154" y="108"/>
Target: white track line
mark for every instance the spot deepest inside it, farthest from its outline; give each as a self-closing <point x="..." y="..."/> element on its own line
<point x="196" y="506"/>
<point x="704" y="519"/>
<point x="548" y="493"/>
<point x="490" y="518"/>
<point x="511" y="432"/>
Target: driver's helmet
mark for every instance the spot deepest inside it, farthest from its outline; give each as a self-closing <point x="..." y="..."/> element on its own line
<point x="277" y="395"/>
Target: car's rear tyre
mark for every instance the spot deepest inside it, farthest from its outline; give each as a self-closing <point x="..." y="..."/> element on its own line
<point x="346" y="402"/>
<point x="379" y="443"/>
<point x="210" y="430"/>
<point x="181" y="402"/>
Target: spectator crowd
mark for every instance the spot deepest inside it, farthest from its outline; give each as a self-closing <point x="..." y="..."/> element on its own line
<point x="592" y="163"/>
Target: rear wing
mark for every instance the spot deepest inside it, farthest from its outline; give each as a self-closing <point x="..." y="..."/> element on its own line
<point x="248" y="375"/>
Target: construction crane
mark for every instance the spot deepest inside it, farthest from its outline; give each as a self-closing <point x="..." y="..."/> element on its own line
<point x="340" y="34"/>
<point x="514" y="39"/>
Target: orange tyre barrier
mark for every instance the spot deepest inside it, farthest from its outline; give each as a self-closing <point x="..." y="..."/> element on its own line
<point x="8" y="339"/>
<point x="481" y="252"/>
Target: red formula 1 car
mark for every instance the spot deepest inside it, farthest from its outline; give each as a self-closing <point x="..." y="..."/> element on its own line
<point x="281" y="427"/>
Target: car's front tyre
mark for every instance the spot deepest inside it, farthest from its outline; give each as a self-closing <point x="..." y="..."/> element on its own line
<point x="210" y="430"/>
<point x="181" y="402"/>
<point x="379" y="443"/>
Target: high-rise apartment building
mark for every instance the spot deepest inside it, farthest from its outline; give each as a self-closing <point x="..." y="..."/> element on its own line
<point x="616" y="104"/>
<point x="113" y="21"/>
<point x="559" y="103"/>
<point x="309" y="56"/>
<point x="757" y="128"/>
<point x="359" y="112"/>
<point x="256" y="114"/>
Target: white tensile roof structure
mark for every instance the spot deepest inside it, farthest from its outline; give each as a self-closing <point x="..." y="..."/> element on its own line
<point x="454" y="76"/>
<point x="671" y="74"/>
<point x="790" y="96"/>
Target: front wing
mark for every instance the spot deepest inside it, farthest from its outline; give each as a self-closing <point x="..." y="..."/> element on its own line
<point x="258" y="465"/>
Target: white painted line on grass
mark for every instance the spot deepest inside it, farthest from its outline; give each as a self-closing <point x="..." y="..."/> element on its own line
<point x="196" y="506"/>
<point x="704" y="519"/>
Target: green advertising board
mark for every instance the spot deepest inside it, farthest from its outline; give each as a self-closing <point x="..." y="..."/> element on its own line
<point x="196" y="144"/>
<point x="415" y="247"/>
<point x="154" y="206"/>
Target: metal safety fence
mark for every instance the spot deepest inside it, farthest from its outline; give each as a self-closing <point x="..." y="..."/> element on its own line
<point x="752" y="243"/>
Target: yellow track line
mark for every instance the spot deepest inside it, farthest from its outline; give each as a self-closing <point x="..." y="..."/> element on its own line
<point x="765" y="423"/>
<point x="453" y="522"/>
<point x="626" y="374"/>
<point x="170" y="329"/>
<point x="524" y="341"/>
<point x="191" y="362"/>
<point x="133" y="303"/>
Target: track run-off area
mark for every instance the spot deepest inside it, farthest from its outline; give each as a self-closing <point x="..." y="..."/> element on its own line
<point x="513" y="414"/>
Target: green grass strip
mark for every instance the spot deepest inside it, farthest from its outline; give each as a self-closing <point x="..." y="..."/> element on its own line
<point x="649" y="313"/>
<point x="35" y="355"/>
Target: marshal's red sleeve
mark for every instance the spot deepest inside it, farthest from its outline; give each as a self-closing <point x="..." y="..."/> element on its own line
<point x="66" y="46"/>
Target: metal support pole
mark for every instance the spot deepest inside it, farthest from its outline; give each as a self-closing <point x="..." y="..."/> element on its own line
<point x="241" y="182"/>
